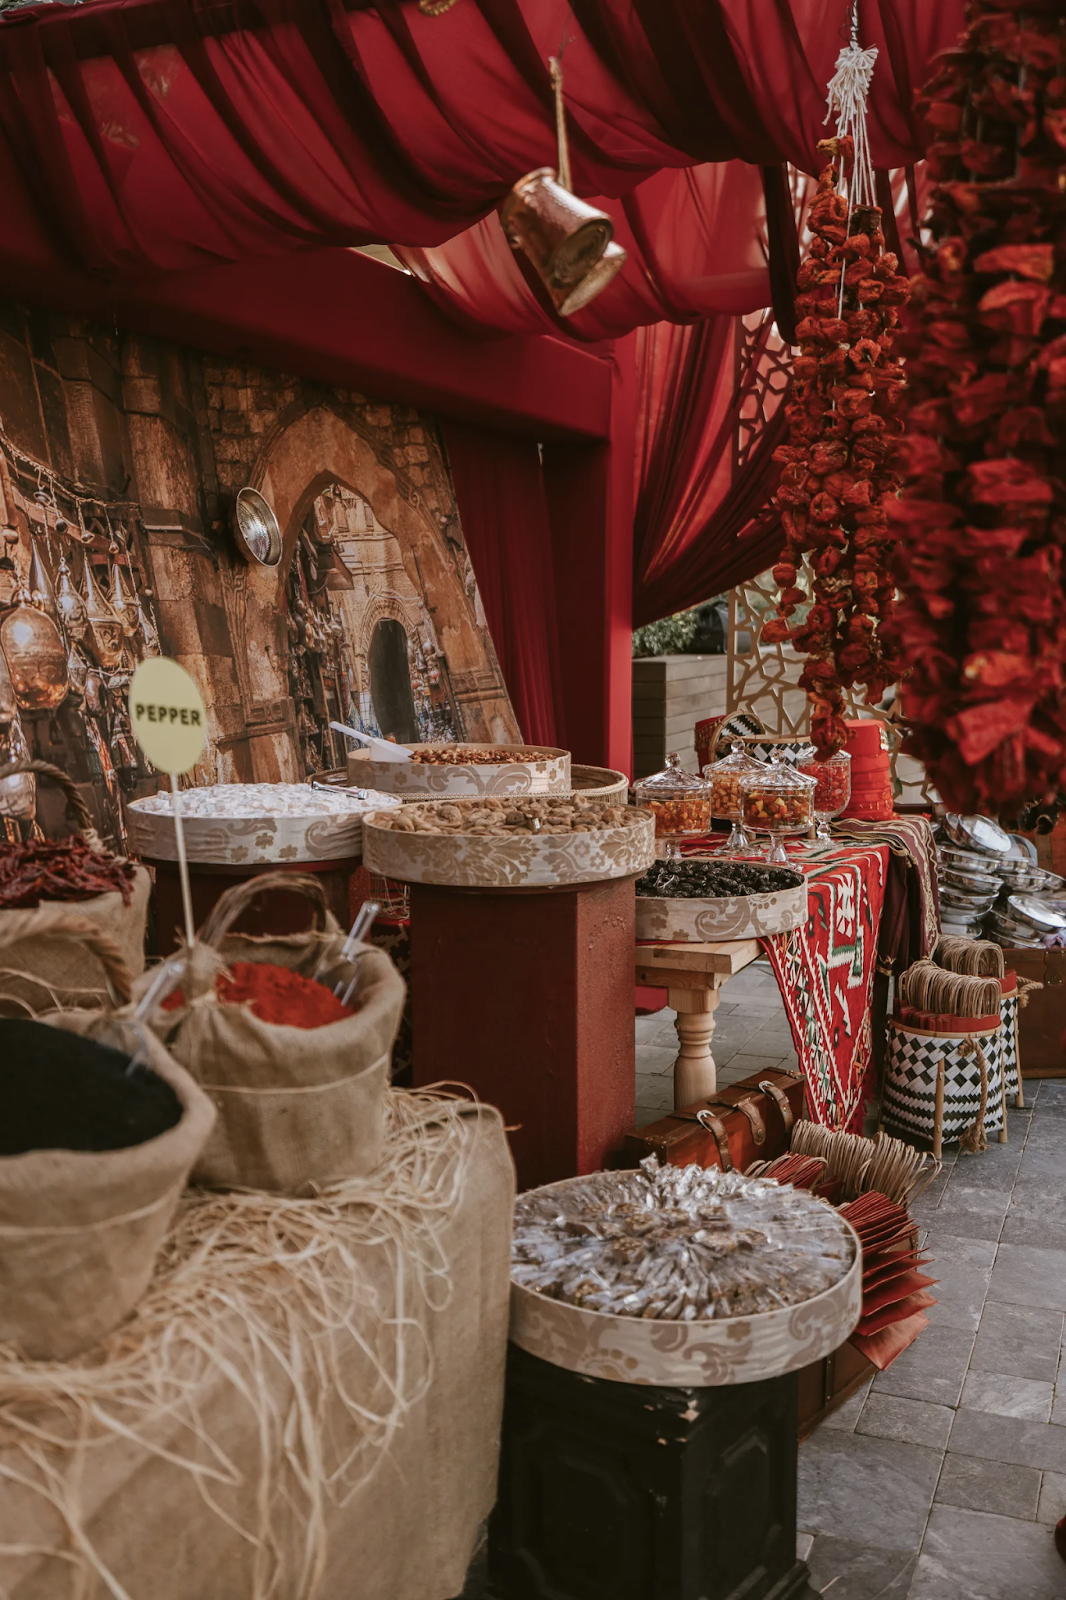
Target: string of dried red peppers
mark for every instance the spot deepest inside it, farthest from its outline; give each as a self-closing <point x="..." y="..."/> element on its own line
<point x="838" y="462"/>
<point x="981" y="525"/>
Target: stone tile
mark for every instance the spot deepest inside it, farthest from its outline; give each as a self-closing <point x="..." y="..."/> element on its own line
<point x="1052" y="1506"/>
<point x="995" y="1168"/>
<point x="1026" y="1276"/>
<point x="850" y="1571"/>
<point x="1004" y="1395"/>
<point x="646" y="1114"/>
<point x="889" y="1416"/>
<point x="803" y="1545"/>
<point x="1058" y="1410"/>
<point x="971" y="1213"/>
<point x="650" y="1059"/>
<point x="752" y="1064"/>
<point x="979" y="1485"/>
<point x="972" y="1555"/>
<point x="1022" y="1340"/>
<point x="932" y="1369"/>
<point x="963" y="1267"/>
<point x="846" y="1416"/>
<point x="1010" y="1439"/>
<point x="1036" y="1215"/>
<point x="849" y="1481"/>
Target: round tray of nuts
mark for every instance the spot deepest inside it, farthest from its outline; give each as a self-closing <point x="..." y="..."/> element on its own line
<point x="706" y="900"/>
<point x="510" y="844"/>
<point x="464" y="771"/>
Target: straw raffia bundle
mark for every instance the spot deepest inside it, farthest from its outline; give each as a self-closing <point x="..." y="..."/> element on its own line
<point x="307" y="1316"/>
<point x="883" y="1165"/>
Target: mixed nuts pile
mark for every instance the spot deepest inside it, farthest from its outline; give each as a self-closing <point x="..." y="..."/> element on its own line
<point x="505" y="818"/>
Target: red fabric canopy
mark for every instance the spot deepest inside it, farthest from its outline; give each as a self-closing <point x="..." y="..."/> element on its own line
<point x="158" y="135"/>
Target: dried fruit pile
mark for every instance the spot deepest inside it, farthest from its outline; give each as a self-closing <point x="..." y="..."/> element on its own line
<point x="982" y="626"/>
<point x="59" y="869"/>
<point x="837" y="465"/>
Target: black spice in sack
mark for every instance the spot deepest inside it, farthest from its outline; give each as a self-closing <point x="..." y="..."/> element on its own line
<point x="59" y="1091"/>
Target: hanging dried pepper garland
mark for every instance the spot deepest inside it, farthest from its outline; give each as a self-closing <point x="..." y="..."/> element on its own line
<point x="982" y="523"/>
<point x="837" y="464"/>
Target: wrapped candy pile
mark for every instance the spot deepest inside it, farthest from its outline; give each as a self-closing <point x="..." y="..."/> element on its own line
<point x="837" y="463"/>
<point x="682" y="1243"/>
<point x="981" y="526"/>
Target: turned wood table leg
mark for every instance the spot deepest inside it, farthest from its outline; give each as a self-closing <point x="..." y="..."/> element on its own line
<point x="694" y="1071"/>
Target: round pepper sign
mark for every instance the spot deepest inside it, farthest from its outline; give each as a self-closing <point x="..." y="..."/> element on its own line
<point x="168" y="715"/>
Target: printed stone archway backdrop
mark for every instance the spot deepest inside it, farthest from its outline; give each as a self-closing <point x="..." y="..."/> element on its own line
<point x="154" y="440"/>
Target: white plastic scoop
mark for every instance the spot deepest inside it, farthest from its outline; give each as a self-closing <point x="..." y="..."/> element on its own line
<point x="381" y="749"/>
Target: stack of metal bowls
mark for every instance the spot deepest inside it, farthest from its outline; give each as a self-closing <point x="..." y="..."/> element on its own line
<point x="991" y="886"/>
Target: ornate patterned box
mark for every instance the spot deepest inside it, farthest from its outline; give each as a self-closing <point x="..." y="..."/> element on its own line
<point x="539" y="770"/>
<point x="688" y="1354"/>
<point x="246" y="841"/>
<point x="743" y="916"/>
<point x="517" y="861"/>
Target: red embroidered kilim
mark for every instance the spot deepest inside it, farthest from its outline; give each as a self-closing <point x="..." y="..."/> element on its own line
<point x="825" y="971"/>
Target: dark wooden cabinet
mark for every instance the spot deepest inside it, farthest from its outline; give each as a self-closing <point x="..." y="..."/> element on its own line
<point x="615" y="1491"/>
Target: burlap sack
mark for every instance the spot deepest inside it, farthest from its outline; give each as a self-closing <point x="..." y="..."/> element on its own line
<point x="60" y="974"/>
<point x="80" y="1231"/>
<point x="298" y="1107"/>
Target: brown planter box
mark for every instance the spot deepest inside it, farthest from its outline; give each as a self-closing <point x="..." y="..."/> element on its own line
<point x="1042" y="1020"/>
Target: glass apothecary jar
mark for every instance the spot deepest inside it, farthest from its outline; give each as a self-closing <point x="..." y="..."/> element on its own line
<point x="778" y="801"/>
<point x="832" y="787"/>
<point x="726" y="780"/>
<point x="681" y="802"/>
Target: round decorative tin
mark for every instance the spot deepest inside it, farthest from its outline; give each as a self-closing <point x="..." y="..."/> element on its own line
<point x="742" y="916"/>
<point x="689" y="1354"/>
<point x="600" y="783"/>
<point x="538" y="769"/>
<point x="241" y="841"/>
<point x="520" y="860"/>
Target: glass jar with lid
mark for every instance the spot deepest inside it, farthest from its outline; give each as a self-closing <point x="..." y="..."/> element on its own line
<point x="681" y="802"/>
<point x="832" y="787"/>
<point x="725" y="778"/>
<point x="778" y="801"/>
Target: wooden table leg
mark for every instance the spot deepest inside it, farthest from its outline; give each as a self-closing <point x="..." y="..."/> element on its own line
<point x="694" y="1071"/>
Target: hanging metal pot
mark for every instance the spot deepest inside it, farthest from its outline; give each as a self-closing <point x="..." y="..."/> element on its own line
<point x="36" y="655"/>
<point x="18" y="794"/>
<point x="567" y="301"/>
<point x="563" y="236"/>
<point x="123" y="603"/>
<point x="40" y="581"/>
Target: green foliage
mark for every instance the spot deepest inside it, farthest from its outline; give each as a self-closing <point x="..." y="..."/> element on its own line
<point x="669" y="637"/>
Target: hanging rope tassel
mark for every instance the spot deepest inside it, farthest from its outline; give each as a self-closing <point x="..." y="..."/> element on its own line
<point x="848" y="91"/>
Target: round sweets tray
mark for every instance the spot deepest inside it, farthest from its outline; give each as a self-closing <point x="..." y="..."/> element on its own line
<point x="518" y="859"/>
<point x="240" y="841"/>
<point x="686" y="1355"/>
<point x="523" y="769"/>
<point x="741" y="916"/>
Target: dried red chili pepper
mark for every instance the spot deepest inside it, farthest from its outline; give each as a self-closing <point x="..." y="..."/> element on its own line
<point x="59" y="869"/>
<point x="981" y="525"/>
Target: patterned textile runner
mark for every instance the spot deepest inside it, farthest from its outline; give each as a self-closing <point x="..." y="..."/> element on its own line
<point x="910" y="922"/>
<point x="825" y="971"/>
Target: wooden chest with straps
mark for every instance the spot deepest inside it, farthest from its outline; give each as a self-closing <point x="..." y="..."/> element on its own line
<point x="750" y="1121"/>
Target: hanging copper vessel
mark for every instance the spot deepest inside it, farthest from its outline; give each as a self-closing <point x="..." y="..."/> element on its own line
<point x="148" y="633"/>
<point x="69" y="604"/>
<point x="563" y="236"/>
<point x="36" y="655"/>
<point x="123" y="603"/>
<point x="105" y="630"/>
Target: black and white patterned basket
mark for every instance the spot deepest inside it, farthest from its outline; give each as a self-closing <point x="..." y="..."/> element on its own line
<point x="910" y="1093"/>
<point x="1008" y="1011"/>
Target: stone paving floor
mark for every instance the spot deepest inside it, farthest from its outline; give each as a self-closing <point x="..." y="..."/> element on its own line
<point x="943" y="1478"/>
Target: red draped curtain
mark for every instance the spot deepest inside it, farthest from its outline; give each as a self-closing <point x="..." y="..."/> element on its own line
<point x="499" y="487"/>
<point x="709" y="419"/>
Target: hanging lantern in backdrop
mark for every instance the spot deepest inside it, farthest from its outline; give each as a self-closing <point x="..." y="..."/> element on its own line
<point x="36" y="655"/>
<point x="568" y="243"/>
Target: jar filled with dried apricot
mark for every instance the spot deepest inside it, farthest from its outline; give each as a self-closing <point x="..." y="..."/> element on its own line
<point x="680" y="800"/>
<point x="726" y="780"/>
<point x="778" y="801"/>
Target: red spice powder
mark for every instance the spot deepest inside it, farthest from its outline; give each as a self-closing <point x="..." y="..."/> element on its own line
<point x="276" y="995"/>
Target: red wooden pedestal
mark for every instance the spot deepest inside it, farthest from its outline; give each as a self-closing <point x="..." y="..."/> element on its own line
<point x="527" y="996"/>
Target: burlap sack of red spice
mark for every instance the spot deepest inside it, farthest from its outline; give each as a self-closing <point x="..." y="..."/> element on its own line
<point x="297" y="1107"/>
